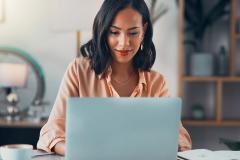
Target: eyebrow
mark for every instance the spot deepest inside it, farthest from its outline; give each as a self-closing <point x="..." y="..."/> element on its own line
<point x="128" y="29"/>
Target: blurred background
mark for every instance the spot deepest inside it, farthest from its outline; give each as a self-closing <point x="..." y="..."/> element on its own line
<point x="197" y="51"/>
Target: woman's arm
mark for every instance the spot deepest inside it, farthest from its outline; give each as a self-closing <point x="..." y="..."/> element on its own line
<point x="53" y="132"/>
<point x="59" y="148"/>
<point x="184" y="141"/>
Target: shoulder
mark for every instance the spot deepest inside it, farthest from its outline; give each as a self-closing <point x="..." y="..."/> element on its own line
<point x="154" y="76"/>
<point x="81" y="61"/>
<point x="80" y="64"/>
<point x="79" y="68"/>
<point x="156" y="83"/>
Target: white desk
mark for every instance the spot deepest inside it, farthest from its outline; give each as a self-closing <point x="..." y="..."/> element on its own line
<point x="20" y="124"/>
<point x="49" y="157"/>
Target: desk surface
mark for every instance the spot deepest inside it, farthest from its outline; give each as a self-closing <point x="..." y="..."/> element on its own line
<point x="21" y="124"/>
<point x="48" y="157"/>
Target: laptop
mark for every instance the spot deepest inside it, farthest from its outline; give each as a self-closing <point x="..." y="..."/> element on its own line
<point x="122" y="128"/>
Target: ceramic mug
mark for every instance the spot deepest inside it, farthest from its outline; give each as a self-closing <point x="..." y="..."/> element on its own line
<point x="16" y="152"/>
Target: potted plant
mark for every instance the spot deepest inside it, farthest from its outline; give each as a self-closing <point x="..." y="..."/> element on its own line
<point x="197" y="22"/>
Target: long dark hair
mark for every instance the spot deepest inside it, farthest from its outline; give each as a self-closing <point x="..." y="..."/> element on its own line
<point x="97" y="49"/>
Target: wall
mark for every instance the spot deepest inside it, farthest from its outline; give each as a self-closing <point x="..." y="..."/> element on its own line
<point x="166" y="40"/>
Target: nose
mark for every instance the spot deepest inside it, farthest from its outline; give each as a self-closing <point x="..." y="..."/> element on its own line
<point x="124" y="41"/>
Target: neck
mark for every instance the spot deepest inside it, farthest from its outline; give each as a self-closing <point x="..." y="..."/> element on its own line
<point x="122" y="71"/>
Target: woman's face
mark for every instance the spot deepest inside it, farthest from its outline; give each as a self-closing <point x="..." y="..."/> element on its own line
<point x="125" y="35"/>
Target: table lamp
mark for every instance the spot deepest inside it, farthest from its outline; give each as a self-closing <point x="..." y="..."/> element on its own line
<point x="12" y="76"/>
<point x="1" y="10"/>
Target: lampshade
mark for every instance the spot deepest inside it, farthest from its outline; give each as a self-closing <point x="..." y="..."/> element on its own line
<point x="73" y="15"/>
<point x="13" y="75"/>
<point x="1" y="10"/>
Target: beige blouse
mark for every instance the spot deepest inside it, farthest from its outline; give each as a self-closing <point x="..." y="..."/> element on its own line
<point x="81" y="81"/>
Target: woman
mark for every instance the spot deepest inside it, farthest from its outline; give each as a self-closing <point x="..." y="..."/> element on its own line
<point x="115" y="63"/>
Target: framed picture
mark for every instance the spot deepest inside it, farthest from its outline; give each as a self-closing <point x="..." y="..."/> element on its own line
<point x="1" y="11"/>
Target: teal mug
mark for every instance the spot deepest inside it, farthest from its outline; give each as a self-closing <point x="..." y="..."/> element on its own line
<point x="16" y="152"/>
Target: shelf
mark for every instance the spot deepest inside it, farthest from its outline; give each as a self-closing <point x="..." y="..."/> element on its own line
<point x="224" y="123"/>
<point x="210" y="79"/>
<point x="212" y="92"/>
<point x="21" y="124"/>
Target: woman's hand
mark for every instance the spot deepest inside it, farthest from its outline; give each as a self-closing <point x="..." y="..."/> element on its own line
<point x="59" y="148"/>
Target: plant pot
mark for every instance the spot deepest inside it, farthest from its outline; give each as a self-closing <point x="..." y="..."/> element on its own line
<point x="202" y="64"/>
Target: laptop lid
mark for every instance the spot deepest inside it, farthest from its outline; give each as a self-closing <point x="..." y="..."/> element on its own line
<point x="122" y="128"/>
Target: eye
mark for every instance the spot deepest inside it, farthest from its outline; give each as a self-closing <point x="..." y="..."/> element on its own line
<point x="114" y="33"/>
<point x="133" y="33"/>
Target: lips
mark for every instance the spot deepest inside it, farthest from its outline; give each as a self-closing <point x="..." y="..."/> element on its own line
<point x="123" y="52"/>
